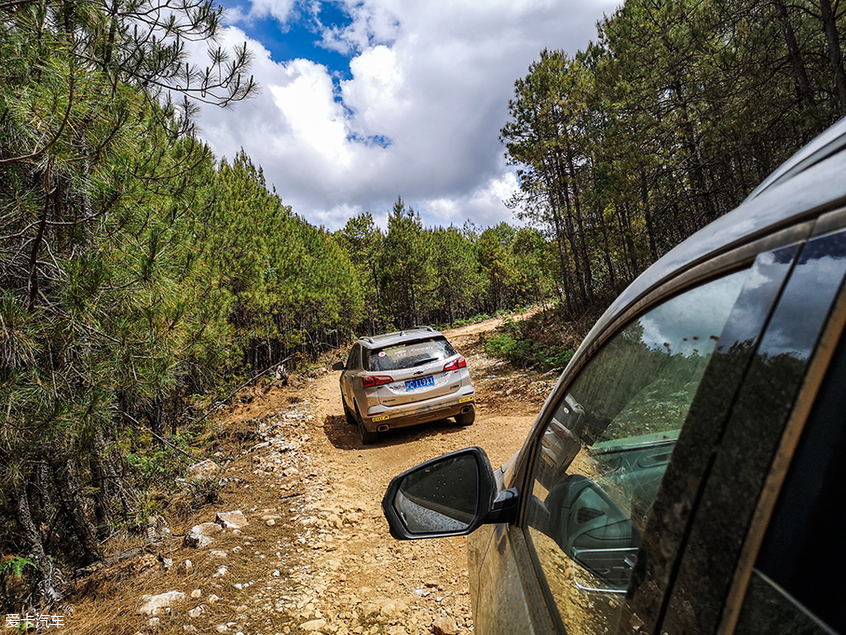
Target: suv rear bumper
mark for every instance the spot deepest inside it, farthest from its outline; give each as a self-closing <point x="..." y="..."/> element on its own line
<point x="380" y="418"/>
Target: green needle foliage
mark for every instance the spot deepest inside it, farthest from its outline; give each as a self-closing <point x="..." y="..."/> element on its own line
<point x="103" y="186"/>
<point x="138" y="272"/>
<point x="663" y="124"/>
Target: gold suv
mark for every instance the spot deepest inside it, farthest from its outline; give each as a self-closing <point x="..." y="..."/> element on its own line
<point x="404" y="378"/>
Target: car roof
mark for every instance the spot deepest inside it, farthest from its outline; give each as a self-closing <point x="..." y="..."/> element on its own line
<point x="809" y="183"/>
<point x="399" y="337"/>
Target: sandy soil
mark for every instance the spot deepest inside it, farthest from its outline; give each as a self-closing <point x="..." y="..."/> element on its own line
<point x="316" y="555"/>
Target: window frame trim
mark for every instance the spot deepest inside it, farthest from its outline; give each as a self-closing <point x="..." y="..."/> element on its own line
<point x="833" y="330"/>
<point x="699" y="274"/>
<point x="723" y="264"/>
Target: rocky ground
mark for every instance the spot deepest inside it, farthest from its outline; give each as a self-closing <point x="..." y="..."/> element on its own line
<point x="298" y="542"/>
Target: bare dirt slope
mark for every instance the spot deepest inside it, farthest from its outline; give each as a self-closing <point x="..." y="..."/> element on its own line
<point x="316" y="556"/>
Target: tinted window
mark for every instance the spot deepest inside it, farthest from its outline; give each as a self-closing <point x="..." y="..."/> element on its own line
<point x="354" y="360"/>
<point x="798" y="584"/>
<point x="410" y="354"/>
<point x="606" y="447"/>
<point x="741" y="463"/>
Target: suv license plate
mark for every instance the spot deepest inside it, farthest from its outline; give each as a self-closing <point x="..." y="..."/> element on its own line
<point x="419" y="382"/>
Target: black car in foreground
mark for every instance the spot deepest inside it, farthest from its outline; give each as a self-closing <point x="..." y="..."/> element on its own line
<point x="687" y="473"/>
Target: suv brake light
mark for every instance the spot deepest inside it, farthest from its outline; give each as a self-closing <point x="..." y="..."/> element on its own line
<point x="456" y="364"/>
<point x="368" y="381"/>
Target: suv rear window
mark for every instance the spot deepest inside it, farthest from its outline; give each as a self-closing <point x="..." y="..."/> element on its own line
<point x="410" y="354"/>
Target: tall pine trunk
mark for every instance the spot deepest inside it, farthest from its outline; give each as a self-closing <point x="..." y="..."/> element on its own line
<point x="46" y="587"/>
<point x="67" y="485"/>
<point x="794" y="54"/>
<point x="835" y="55"/>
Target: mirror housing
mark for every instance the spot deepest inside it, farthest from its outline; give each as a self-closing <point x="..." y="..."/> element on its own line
<point x="451" y="495"/>
<point x="339" y="366"/>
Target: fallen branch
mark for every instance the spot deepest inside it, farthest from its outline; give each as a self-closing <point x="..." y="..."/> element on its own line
<point x="222" y="403"/>
<point x="163" y="440"/>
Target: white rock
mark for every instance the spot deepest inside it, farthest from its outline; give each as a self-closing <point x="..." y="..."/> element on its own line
<point x="212" y="599"/>
<point x="445" y="625"/>
<point x="232" y="520"/>
<point x="197" y="611"/>
<point x="217" y="553"/>
<point x="391" y="608"/>
<point x="153" y="604"/>
<point x="196" y="593"/>
<point x="220" y="572"/>
<point x="203" y="469"/>
<point x="201" y="535"/>
<point x="313" y="625"/>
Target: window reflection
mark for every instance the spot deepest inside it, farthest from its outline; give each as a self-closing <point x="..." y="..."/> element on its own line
<point x="440" y="497"/>
<point x="607" y="445"/>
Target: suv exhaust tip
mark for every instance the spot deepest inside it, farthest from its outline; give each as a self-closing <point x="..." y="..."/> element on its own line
<point x="466" y="409"/>
<point x="382" y="428"/>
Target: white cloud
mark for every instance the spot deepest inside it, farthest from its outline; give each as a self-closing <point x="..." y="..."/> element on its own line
<point x="418" y="116"/>
<point x="313" y="117"/>
<point x="279" y="9"/>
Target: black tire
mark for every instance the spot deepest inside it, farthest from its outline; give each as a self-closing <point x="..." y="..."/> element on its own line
<point x="466" y="418"/>
<point x="367" y="437"/>
<point x="350" y="417"/>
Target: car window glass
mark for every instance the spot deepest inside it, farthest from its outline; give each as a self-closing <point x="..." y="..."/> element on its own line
<point x="410" y="354"/>
<point x="777" y="388"/>
<point x="354" y="360"/>
<point x="798" y="585"/>
<point x="602" y="454"/>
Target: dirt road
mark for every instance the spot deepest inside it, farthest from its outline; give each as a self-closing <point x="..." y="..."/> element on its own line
<point x="316" y="556"/>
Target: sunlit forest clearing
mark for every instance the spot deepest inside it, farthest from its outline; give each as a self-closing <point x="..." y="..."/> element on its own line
<point x="142" y="278"/>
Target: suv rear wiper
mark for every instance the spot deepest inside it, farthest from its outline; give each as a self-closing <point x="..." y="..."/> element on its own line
<point x="425" y="361"/>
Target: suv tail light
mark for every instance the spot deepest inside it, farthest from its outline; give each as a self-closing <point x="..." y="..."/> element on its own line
<point x="456" y="364"/>
<point x="368" y="381"/>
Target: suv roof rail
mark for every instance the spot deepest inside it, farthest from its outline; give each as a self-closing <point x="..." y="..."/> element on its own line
<point x="425" y="328"/>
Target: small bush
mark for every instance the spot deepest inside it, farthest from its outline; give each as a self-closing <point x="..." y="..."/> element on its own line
<point x="524" y="352"/>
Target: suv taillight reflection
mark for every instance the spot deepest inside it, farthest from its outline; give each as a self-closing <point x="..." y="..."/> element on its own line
<point x="368" y="381"/>
<point x="456" y="364"/>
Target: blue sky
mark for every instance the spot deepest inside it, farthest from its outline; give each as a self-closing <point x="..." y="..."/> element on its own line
<point x="365" y="100"/>
<point x="299" y="37"/>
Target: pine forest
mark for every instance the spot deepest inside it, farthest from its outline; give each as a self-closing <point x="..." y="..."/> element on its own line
<point x="141" y="276"/>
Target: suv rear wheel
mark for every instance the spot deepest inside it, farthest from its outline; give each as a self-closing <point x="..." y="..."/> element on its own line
<point x="348" y="414"/>
<point x="367" y="437"/>
<point x="466" y="418"/>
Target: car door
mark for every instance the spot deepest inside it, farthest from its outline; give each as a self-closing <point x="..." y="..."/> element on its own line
<point x="797" y="583"/>
<point x="782" y="444"/>
<point x="619" y="455"/>
<point x="352" y="367"/>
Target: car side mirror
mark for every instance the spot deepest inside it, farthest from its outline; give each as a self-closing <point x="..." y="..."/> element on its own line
<point x="448" y="496"/>
<point x="339" y="366"/>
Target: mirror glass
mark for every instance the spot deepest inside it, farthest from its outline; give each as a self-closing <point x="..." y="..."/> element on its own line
<point x="441" y="496"/>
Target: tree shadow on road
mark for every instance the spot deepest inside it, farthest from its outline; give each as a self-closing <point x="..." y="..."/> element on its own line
<point x="344" y="436"/>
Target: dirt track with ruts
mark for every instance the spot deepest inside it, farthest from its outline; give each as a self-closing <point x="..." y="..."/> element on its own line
<point x="316" y="555"/>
